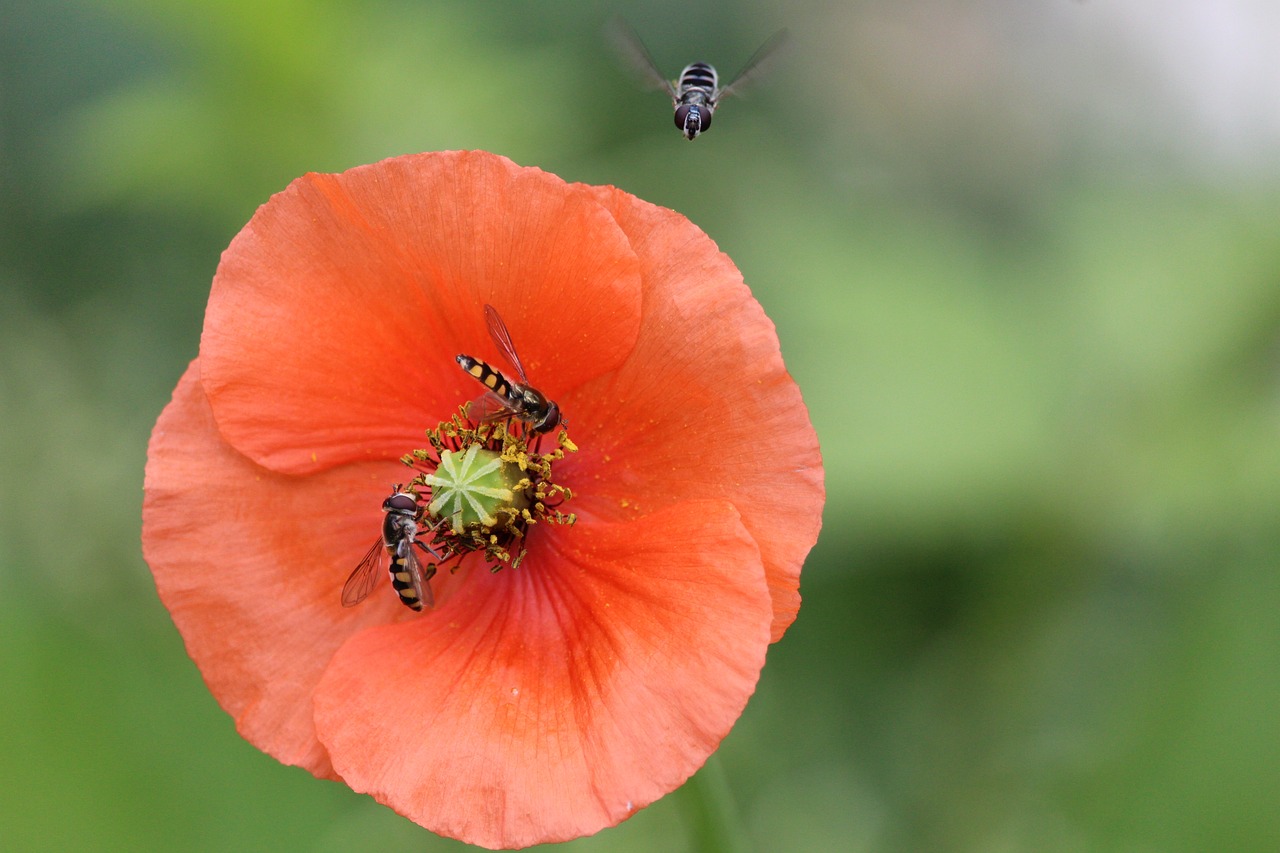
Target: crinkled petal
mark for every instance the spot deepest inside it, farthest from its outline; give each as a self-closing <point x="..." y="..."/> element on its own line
<point x="337" y="312"/>
<point x="250" y="565"/>
<point x="703" y="406"/>
<point x="549" y="701"/>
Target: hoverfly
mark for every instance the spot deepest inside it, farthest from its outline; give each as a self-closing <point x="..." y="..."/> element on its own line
<point x="399" y="537"/>
<point x="505" y="398"/>
<point x="696" y="93"/>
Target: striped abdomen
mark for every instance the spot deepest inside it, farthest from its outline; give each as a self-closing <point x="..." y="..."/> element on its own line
<point x="697" y="85"/>
<point x="403" y="565"/>
<point x="488" y="377"/>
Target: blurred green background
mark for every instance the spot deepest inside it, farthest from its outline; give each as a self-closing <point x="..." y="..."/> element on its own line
<point x="1024" y="260"/>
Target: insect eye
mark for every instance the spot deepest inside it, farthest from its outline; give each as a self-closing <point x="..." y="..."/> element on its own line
<point x="400" y="502"/>
<point x="682" y="115"/>
<point x="692" y="119"/>
<point x="551" y="420"/>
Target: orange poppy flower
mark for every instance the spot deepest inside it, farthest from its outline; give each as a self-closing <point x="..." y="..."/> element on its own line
<point x="555" y="697"/>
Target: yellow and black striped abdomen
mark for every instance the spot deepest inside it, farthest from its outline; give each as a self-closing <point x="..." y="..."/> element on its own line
<point x="403" y="565"/>
<point x="486" y="376"/>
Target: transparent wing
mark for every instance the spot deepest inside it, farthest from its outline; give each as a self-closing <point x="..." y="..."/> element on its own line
<point x="501" y="337"/>
<point x="490" y="407"/>
<point x="758" y="62"/>
<point x="632" y="51"/>
<point x="362" y="579"/>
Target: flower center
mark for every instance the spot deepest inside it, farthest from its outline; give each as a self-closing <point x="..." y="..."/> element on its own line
<point x="485" y="485"/>
<point x="474" y="487"/>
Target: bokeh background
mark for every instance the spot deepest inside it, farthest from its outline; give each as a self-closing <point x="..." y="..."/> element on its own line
<point x="1024" y="260"/>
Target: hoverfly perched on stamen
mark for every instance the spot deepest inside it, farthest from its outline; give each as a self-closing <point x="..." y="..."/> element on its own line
<point x="399" y="538"/>
<point x="507" y="399"/>
<point x="696" y="93"/>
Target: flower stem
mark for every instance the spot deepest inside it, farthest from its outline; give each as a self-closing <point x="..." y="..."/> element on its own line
<point x="710" y="812"/>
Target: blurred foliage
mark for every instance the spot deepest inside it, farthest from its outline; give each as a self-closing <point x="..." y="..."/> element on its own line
<point x="1037" y="332"/>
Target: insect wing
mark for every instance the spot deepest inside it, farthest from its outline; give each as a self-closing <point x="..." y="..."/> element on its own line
<point x="758" y="62"/>
<point x="363" y="577"/>
<point x="501" y="337"/>
<point x="632" y="51"/>
<point x="490" y="407"/>
<point x="405" y="553"/>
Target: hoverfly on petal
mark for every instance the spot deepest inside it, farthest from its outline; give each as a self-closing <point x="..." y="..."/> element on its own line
<point x="399" y="538"/>
<point x="507" y="399"/>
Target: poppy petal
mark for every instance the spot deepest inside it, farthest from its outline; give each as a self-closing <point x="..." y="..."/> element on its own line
<point x="336" y="313"/>
<point x="703" y="407"/>
<point x="555" y="699"/>
<point x="251" y="580"/>
<point x="559" y="695"/>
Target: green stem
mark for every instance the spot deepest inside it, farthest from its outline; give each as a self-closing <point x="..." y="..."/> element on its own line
<point x="711" y="813"/>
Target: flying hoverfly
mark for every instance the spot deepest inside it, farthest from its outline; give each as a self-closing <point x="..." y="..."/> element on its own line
<point x="505" y="398"/>
<point x="399" y="538"/>
<point x="696" y="93"/>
